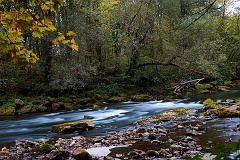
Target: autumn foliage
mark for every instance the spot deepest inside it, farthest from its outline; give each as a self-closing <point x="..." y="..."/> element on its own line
<point x="35" y="16"/>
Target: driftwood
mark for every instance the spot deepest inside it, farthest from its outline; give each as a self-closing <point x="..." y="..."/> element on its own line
<point x="182" y="85"/>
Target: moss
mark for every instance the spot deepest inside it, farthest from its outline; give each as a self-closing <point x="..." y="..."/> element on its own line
<point x="57" y="106"/>
<point x="83" y="101"/>
<point x="6" y="110"/>
<point x="182" y="110"/>
<point x="209" y="104"/>
<point x="95" y="107"/>
<point x="68" y="106"/>
<point x="51" y="100"/>
<point x="152" y="153"/>
<point x="223" y="88"/>
<point x="46" y="148"/>
<point x="228" y="83"/>
<point x="238" y="108"/>
<point x="237" y="101"/>
<point x="27" y="109"/>
<point x="141" y="98"/>
<point x="38" y="102"/>
<point x="68" y="100"/>
<point x="140" y="121"/>
<point x="116" y="99"/>
<point x="132" y="153"/>
<point x="167" y="99"/>
<point x="204" y="86"/>
<point x="205" y="91"/>
<point x="40" y="108"/>
<point x="178" y="96"/>
<point x="70" y="127"/>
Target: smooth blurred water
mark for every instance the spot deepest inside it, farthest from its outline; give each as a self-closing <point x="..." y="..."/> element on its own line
<point x="109" y="118"/>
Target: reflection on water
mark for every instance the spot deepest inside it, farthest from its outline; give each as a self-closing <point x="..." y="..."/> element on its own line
<point x="107" y="119"/>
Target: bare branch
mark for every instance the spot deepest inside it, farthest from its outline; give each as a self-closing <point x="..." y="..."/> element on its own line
<point x="207" y="9"/>
<point x="182" y="85"/>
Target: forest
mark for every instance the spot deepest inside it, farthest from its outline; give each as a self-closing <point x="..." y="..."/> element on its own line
<point x="66" y="66"/>
<point x="57" y="48"/>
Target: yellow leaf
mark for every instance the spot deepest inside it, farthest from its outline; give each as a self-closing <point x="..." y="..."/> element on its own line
<point x="73" y="41"/>
<point x="54" y="41"/>
<point x="37" y="34"/>
<point x="45" y="7"/>
<point x="70" y="33"/>
<point x="65" y="41"/>
<point x="74" y="47"/>
<point x="60" y="37"/>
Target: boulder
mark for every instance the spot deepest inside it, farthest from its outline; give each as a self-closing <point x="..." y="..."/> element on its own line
<point x="57" y="154"/>
<point x="70" y="127"/>
<point x="82" y="154"/>
<point x="19" y="103"/>
<point x="26" y="109"/>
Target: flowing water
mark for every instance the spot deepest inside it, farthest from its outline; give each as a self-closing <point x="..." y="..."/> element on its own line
<point x="109" y="118"/>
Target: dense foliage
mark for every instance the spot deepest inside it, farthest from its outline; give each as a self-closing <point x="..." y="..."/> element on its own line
<point x="117" y="44"/>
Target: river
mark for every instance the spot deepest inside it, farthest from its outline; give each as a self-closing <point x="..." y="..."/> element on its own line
<point x="109" y="118"/>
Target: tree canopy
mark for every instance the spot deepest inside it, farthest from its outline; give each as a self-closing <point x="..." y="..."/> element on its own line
<point x="81" y="45"/>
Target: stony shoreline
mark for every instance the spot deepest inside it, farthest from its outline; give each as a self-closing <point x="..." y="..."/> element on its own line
<point x="173" y="134"/>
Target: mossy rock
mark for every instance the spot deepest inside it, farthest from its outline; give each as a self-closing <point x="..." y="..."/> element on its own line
<point x="97" y="97"/>
<point x="182" y="110"/>
<point x="152" y="153"/>
<point x="237" y="101"/>
<point x="83" y="101"/>
<point x="228" y="84"/>
<point x="140" y="98"/>
<point x="45" y="103"/>
<point x="68" y="100"/>
<point x="224" y="111"/>
<point x="116" y="99"/>
<point x="38" y="102"/>
<point x="168" y="99"/>
<point x="177" y="111"/>
<point x="223" y="88"/>
<point x="46" y="148"/>
<point x="52" y="100"/>
<point x="41" y="108"/>
<point x="228" y="114"/>
<point x="68" y="106"/>
<point x="178" y="96"/>
<point x="205" y="91"/>
<point x="95" y="107"/>
<point x="206" y="86"/>
<point x="209" y="104"/>
<point x="6" y="110"/>
<point x="57" y="106"/>
<point x="70" y="127"/>
<point x="27" y="109"/>
<point x="238" y="108"/>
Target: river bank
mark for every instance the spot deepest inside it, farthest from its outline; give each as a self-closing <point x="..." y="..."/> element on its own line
<point x="94" y="99"/>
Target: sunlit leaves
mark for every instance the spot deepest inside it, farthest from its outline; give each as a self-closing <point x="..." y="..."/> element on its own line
<point x="70" y="33"/>
<point x="33" y="16"/>
<point x="68" y="40"/>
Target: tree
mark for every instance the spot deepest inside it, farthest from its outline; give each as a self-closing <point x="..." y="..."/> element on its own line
<point x="32" y="17"/>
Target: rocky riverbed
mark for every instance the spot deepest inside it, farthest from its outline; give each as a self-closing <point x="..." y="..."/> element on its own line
<point x="173" y="134"/>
